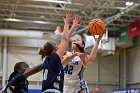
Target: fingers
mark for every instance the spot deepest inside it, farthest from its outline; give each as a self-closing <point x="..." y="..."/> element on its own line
<point x="68" y="17"/>
<point x="76" y="18"/>
<point x="69" y="14"/>
<point x="76" y="21"/>
<point x="64" y="18"/>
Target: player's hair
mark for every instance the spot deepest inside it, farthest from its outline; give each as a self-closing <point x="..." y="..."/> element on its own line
<point x="19" y="66"/>
<point x="47" y="49"/>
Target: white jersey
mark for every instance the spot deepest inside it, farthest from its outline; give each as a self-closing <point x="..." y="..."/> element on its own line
<point x="73" y="78"/>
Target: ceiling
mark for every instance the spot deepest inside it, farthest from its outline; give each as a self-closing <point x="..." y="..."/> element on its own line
<point x="46" y="15"/>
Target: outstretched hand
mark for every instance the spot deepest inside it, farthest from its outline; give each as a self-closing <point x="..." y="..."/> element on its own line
<point x="76" y="21"/>
<point x="68" y="17"/>
<point x="76" y="24"/>
<point x="99" y="37"/>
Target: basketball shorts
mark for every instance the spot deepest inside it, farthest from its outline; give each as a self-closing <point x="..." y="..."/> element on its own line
<point x="51" y="91"/>
<point x="71" y="86"/>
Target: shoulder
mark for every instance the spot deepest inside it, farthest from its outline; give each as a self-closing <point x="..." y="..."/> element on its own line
<point x="55" y="58"/>
<point x="12" y="75"/>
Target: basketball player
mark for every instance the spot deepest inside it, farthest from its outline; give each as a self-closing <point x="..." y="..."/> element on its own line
<point x="17" y="86"/>
<point x="17" y="82"/>
<point x="53" y="73"/>
<point x="76" y="64"/>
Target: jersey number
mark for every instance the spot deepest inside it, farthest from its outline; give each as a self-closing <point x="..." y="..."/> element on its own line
<point x="68" y="69"/>
<point x="45" y="74"/>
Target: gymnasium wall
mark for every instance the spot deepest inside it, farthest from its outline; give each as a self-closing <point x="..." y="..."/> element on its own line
<point x="1" y="53"/>
<point x="103" y="73"/>
<point x="0" y="62"/>
<point x="26" y="54"/>
<point x="133" y="67"/>
<point x="25" y="49"/>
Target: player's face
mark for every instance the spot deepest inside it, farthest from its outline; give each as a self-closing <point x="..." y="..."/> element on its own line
<point x="24" y="67"/>
<point x="77" y="41"/>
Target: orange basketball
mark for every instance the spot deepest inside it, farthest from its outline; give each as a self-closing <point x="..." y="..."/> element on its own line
<point x="96" y="26"/>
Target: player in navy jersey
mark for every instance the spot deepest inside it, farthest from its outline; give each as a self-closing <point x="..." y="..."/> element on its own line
<point x="53" y="73"/>
<point x="17" y="82"/>
<point x="17" y="86"/>
<point x="75" y="64"/>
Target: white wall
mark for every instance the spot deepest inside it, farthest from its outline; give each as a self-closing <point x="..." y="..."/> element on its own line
<point x="26" y="54"/>
<point x="133" y="67"/>
<point x="26" y="42"/>
<point x="0" y="53"/>
<point x="0" y="62"/>
<point x="109" y="69"/>
<point x="103" y="72"/>
<point x="24" y="49"/>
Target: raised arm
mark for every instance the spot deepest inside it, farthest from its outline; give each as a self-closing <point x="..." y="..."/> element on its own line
<point x="33" y="70"/>
<point x="91" y="58"/>
<point x="67" y="33"/>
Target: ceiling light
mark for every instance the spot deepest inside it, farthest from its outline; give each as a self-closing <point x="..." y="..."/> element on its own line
<point x="54" y="1"/>
<point x="129" y="3"/>
<point x="20" y="20"/>
<point x="40" y="22"/>
<point x="122" y="12"/>
<point x="12" y="19"/>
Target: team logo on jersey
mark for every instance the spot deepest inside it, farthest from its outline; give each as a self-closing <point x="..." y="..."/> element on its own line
<point x="74" y="62"/>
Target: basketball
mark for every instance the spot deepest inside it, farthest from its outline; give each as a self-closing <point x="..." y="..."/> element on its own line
<point x="96" y="26"/>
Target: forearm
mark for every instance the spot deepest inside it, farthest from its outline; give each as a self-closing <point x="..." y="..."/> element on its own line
<point x="66" y="36"/>
<point x="93" y="53"/>
<point x="72" y="29"/>
<point x="68" y="59"/>
<point x="65" y="40"/>
<point x="65" y="31"/>
<point x="33" y="70"/>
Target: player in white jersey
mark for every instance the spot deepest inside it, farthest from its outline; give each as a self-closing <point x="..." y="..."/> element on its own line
<point x="75" y="63"/>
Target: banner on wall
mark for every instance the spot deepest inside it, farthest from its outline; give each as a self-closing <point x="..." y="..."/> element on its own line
<point x="134" y="29"/>
<point x="123" y="40"/>
<point x="123" y="34"/>
<point x="129" y="90"/>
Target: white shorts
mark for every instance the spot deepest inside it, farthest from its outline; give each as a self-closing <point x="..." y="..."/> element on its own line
<point x="75" y="86"/>
<point x="51" y="91"/>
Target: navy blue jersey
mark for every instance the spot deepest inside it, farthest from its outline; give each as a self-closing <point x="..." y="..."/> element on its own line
<point x="53" y="73"/>
<point x="17" y="83"/>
